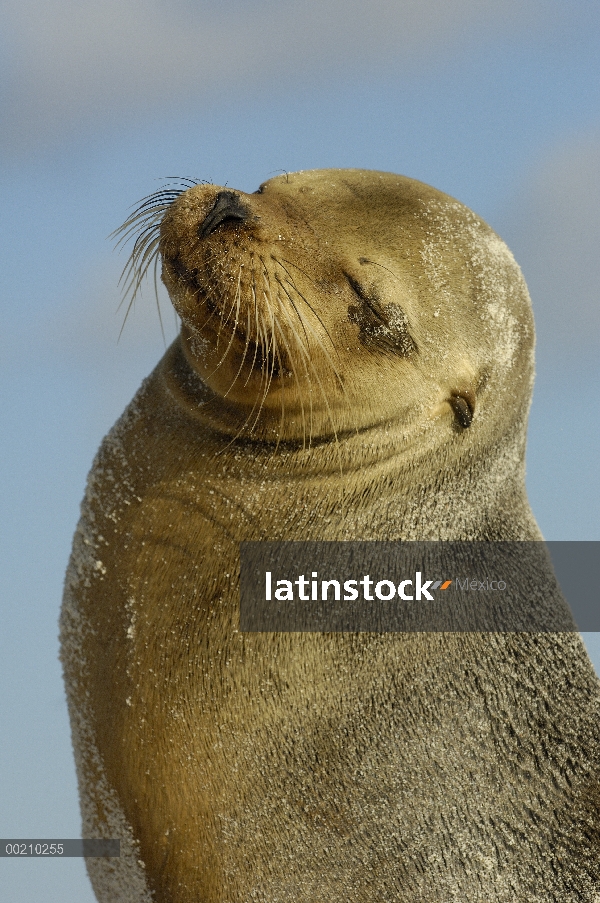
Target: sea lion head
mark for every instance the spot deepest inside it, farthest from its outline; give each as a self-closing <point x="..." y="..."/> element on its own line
<point x="340" y="300"/>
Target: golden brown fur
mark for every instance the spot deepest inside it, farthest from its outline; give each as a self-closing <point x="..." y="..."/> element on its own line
<point x="355" y="362"/>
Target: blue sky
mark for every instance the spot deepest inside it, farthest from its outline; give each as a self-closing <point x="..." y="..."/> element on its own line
<point x="496" y="103"/>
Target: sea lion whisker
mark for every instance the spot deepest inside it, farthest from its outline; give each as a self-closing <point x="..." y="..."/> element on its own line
<point x="129" y="306"/>
<point x="145" y="245"/>
<point x="138" y="229"/>
<point x="163" y="189"/>
<point x="312" y="309"/>
<point x="233" y="334"/>
<point x="133" y="288"/>
<point x="253" y="292"/>
<point x="297" y="312"/>
<point x="166" y="190"/>
<point x="147" y="234"/>
<point x="211" y="314"/>
<point x="376" y="264"/>
<point x="291" y="357"/>
<point x="321" y="346"/>
<point x="231" y="338"/>
<point x="221" y="324"/>
<point x="317" y="340"/>
<point x="239" y="432"/>
<point x="134" y="276"/>
<point x="188" y="183"/>
<point x="146" y="209"/>
<point x="305" y="352"/>
<point x="246" y="344"/>
<point x="303" y="324"/>
<point x="291" y="300"/>
<point x="271" y="356"/>
<point x="155" y="280"/>
<point x="270" y="366"/>
<point x="323" y="393"/>
<point x="260" y="398"/>
<point x="282" y="418"/>
<point x="314" y="334"/>
<point x="144" y="221"/>
<point x="273" y="351"/>
<point x="134" y="222"/>
<point x="305" y="356"/>
<point x="155" y="203"/>
<point x="308" y="304"/>
<point x="295" y="265"/>
<point x="145" y="248"/>
<point x="134" y="273"/>
<point x="236" y="298"/>
<point x="225" y="319"/>
<point x="160" y="200"/>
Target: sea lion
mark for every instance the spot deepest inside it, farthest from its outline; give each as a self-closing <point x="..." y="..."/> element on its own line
<point x="355" y="362"/>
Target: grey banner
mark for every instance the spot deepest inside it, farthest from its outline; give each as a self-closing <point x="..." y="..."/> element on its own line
<point x="58" y="849"/>
<point x="419" y="586"/>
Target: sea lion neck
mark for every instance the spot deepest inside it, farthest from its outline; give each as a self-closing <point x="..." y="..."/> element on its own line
<point x="353" y="448"/>
<point x="339" y="479"/>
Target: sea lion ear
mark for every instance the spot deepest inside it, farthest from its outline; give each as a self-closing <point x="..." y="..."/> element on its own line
<point x="463" y="408"/>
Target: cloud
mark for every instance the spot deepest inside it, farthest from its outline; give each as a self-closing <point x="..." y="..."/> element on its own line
<point x="71" y="63"/>
<point x="554" y="231"/>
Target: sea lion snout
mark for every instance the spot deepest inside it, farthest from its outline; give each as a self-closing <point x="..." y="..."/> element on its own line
<point x="228" y="207"/>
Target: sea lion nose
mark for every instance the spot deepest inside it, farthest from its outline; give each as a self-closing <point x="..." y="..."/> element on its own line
<point x="228" y="207"/>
